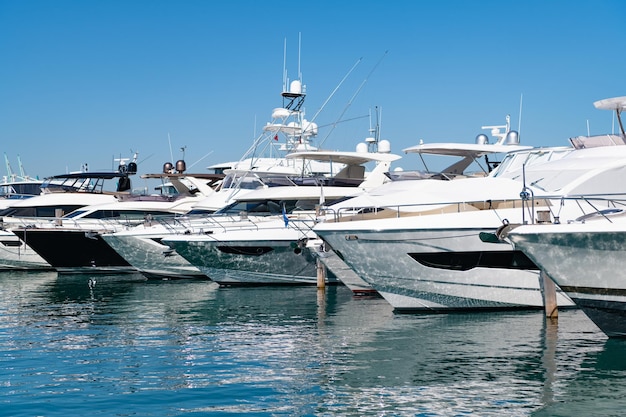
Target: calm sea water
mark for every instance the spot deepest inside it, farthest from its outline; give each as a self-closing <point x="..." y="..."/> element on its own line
<point x="129" y="347"/>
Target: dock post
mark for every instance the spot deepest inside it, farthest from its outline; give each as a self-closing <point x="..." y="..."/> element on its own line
<point x="321" y="274"/>
<point x="548" y="289"/>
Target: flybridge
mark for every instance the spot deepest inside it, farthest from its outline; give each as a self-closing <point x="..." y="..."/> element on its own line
<point x="91" y="182"/>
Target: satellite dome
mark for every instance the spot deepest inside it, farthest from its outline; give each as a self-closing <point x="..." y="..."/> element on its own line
<point x="280" y="113"/>
<point x="512" y="138"/>
<point x="295" y="87"/>
<point x="384" y="146"/>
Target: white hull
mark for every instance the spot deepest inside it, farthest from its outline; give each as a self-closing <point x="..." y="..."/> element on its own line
<point x="151" y="258"/>
<point x="270" y="255"/>
<point x="588" y="262"/>
<point x="250" y="263"/>
<point x="15" y="254"/>
<point x="342" y="271"/>
<point x="389" y="260"/>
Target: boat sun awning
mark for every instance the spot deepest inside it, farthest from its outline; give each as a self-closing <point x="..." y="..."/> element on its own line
<point x="463" y="149"/>
<point x="348" y="158"/>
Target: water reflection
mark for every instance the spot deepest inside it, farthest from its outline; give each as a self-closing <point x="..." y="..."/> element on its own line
<point x="597" y="387"/>
<point x="173" y="347"/>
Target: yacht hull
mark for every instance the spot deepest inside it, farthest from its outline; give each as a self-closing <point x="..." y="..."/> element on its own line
<point x="341" y="270"/>
<point x="74" y="250"/>
<point x="246" y="263"/>
<point x="150" y="257"/>
<point x="588" y="265"/>
<point x="15" y="254"/>
<point x="392" y="262"/>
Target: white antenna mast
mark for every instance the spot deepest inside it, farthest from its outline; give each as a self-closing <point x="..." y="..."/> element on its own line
<point x="519" y="122"/>
<point x="379" y="122"/>
<point x="336" y="88"/>
<point x="588" y="134"/>
<point x="285" y="65"/>
<point x="170" y="142"/>
<point x="373" y="138"/>
<point x="190" y="166"/>
<point x="354" y="96"/>
<point x="299" y="52"/>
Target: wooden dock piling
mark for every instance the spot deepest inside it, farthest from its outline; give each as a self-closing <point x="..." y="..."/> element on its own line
<point x="321" y="274"/>
<point x="548" y="289"/>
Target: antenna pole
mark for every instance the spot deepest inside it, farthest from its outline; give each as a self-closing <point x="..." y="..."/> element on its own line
<point x="354" y="96"/>
<point x="336" y="88"/>
<point x="299" y="52"/>
<point x="285" y="65"/>
<point x="379" y="122"/>
<point x="519" y="122"/>
<point x="170" y="143"/>
<point x="190" y="166"/>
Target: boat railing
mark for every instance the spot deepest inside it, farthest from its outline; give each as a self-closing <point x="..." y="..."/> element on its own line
<point x="413" y="209"/>
<point x="432" y="175"/>
<point x="544" y="208"/>
<point x="104" y="225"/>
<point x="212" y="223"/>
<point x="203" y="223"/>
<point x="600" y="207"/>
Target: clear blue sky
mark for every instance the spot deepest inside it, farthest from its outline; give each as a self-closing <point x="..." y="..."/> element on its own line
<point x="84" y="81"/>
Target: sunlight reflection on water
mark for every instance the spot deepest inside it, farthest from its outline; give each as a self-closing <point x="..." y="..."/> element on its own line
<point x="127" y="346"/>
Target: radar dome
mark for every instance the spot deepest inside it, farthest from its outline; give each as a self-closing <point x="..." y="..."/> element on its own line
<point x="384" y="146"/>
<point x="361" y="147"/>
<point x="295" y="87"/>
<point x="167" y="167"/>
<point x="280" y="113"/>
<point x="482" y="139"/>
<point x="181" y="166"/>
<point x="512" y="138"/>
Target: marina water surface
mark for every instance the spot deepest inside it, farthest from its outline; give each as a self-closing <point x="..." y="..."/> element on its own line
<point x="123" y="346"/>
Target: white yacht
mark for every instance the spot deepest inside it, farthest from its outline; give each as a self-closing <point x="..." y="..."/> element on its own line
<point x="265" y="164"/>
<point x="283" y="156"/>
<point x="468" y="163"/>
<point x="59" y="195"/>
<point x="252" y="212"/>
<point x="585" y="257"/>
<point x="72" y="243"/>
<point x="416" y="242"/>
